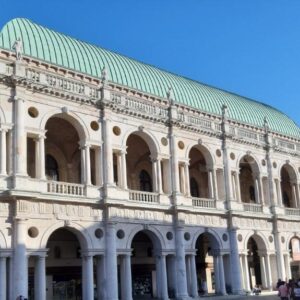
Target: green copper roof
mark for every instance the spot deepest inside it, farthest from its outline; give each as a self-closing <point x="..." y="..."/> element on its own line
<point x="59" y="49"/>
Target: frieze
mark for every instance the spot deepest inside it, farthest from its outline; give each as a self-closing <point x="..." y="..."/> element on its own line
<point x="44" y="209"/>
<point x="192" y="219"/>
<point x="136" y="214"/>
<point x="251" y="223"/>
<point x="288" y="226"/>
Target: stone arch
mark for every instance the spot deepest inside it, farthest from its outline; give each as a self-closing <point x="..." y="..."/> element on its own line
<point x="291" y="169"/>
<point x="253" y="162"/>
<point x="260" y="240"/>
<point x="289" y="239"/>
<point x="214" y="237"/>
<point x="206" y="152"/>
<point x="147" y="136"/>
<point x="80" y="232"/>
<point x="72" y="118"/>
<point x="3" y="243"/>
<point x="153" y="233"/>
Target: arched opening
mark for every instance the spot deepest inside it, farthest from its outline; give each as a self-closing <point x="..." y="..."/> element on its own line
<point x="288" y="186"/>
<point x="254" y="263"/>
<point x="199" y="178"/>
<point x="250" y="186"/>
<point x="139" y="165"/>
<point x="64" y="266"/>
<point x="147" y="266"/>
<point x="257" y="267"/>
<point x="294" y="258"/>
<point x="209" y="265"/>
<point x="62" y="151"/>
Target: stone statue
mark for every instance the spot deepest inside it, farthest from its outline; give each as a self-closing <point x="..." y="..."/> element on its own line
<point x="104" y="75"/>
<point x="224" y="112"/>
<point x="266" y="124"/>
<point x="18" y="47"/>
<point x="170" y="95"/>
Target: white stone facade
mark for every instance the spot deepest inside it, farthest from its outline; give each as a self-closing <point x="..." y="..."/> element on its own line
<point x="98" y="177"/>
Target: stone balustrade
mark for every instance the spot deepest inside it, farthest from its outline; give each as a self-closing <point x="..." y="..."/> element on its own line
<point x="253" y="207"/>
<point x="58" y="187"/>
<point x="146" y="197"/>
<point x="205" y="203"/>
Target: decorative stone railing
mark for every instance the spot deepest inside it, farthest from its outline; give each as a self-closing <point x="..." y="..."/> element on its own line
<point x="205" y="203"/>
<point x="252" y="207"/>
<point x="140" y="107"/>
<point x="146" y="197"/>
<point x="61" y="83"/>
<point x="292" y="212"/>
<point x="65" y="188"/>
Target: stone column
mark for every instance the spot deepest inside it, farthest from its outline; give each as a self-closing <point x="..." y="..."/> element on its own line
<point x="83" y="164"/>
<point x="3" y="152"/>
<point x="246" y="269"/>
<point x="263" y="271"/>
<point x="124" y="169"/>
<point x="98" y="167"/>
<point x="211" y="192"/>
<point x="216" y="271"/>
<point x="107" y="153"/>
<point x="215" y="184"/>
<point x="20" y="265"/>
<point x="187" y="180"/>
<point x="268" y="271"/>
<point x="100" y="274"/>
<point x="10" y="154"/>
<point x="242" y="271"/>
<point x="182" y="178"/>
<point x="188" y="273"/>
<point x="174" y="165"/>
<point x="87" y="277"/>
<point x="159" y="177"/>
<point x="238" y="186"/>
<point x="111" y="262"/>
<point x="287" y="266"/>
<point x="221" y="274"/>
<point x="194" y="282"/>
<point x="180" y="265"/>
<point x="20" y="138"/>
<point x="154" y="175"/>
<point x="279" y="192"/>
<point x="40" y="278"/>
<point x="164" y="280"/>
<point x="87" y="165"/>
<point x="158" y="277"/>
<point x="234" y="263"/>
<point x="119" y="168"/>
<point x="126" y="281"/>
<point x="3" y="278"/>
<point x="295" y="199"/>
<point x="40" y="157"/>
<point x="279" y="256"/>
<point x="257" y="192"/>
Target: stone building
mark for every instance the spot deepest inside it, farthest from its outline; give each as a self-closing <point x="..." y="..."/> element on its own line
<point x="119" y="180"/>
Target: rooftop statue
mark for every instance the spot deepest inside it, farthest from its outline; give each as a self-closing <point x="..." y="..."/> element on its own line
<point x="18" y="47"/>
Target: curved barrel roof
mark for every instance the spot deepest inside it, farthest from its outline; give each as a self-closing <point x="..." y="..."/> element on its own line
<point x="61" y="50"/>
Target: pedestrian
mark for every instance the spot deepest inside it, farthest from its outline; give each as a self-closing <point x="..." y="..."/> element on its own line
<point x="296" y="291"/>
<point x="283" y="291"/>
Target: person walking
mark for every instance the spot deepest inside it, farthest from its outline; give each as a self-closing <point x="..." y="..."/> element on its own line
<point x="283" y="291"/>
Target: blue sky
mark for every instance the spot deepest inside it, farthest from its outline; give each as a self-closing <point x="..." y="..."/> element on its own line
<point x="249" y="47"/>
